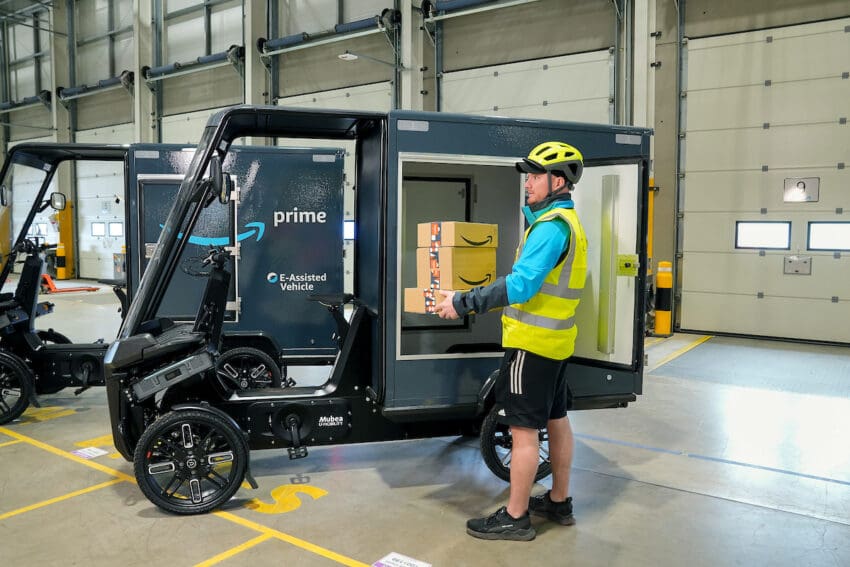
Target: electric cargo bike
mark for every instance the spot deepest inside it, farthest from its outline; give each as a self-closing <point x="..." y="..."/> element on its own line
<point x="394" y="374"/>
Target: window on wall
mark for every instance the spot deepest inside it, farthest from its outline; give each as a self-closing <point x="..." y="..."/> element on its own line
<point x="104" y="39"/>
<point x="829" y="236"/>
<point x="193" y="28"/>
<point x="763" y="235"/>
<point x="28" y="40"/>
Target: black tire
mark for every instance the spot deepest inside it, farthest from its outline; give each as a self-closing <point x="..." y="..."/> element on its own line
<point x="496" y="445"/>
<point x="16" y="387"/>
<point x="50" y="336"/>
<point x="190" y="461"/>
<point x="247" y="368"/>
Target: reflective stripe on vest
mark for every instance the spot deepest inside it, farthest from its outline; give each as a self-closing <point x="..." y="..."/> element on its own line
<point x="545" y="324"/>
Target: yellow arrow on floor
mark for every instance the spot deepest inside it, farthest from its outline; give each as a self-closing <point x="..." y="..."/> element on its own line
<point x="286" y="499"/>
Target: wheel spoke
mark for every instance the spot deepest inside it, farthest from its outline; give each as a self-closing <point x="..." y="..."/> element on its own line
<point x="3" y="406"/>
<point x="186" y="432"/>
<point x="162" y="467"/>
<point x="218" y="458"/>
<point x="258" y="371"/>
<point x="217" y="480"/>
<point x="506" y="460"/>
<point x="195" y="491"/>
<point x="165" y="492"/>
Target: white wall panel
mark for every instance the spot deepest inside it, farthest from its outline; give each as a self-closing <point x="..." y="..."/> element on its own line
<point x="377" y="96"/>
<point x="784" y="317"/>
<point x="185" y="128"/>
<point x="744" y="137"/>
<point x="796" y="52"/>
<point x="751" y="191"/>
<point x="748" y="273"/>
<point x="100" y="199"/>
<point x="571" y="87"/>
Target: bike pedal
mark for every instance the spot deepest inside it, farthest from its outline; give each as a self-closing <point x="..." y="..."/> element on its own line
<point x="297" y="452"/>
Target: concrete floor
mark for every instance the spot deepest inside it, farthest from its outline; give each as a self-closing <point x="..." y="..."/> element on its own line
<point x="702" y="470"/>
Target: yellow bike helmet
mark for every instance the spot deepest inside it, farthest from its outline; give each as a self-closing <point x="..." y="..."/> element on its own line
<point x="554" y="157"/>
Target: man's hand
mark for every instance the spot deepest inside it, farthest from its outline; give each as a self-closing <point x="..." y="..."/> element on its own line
<point x="445" y="309"/>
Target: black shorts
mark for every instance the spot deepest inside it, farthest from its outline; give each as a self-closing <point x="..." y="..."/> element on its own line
<point x="530" y="389"/>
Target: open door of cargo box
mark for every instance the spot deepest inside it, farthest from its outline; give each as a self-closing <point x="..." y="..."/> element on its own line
<point x="461" y="168"/>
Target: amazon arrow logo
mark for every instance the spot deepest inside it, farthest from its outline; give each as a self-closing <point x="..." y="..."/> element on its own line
<point x="488" y="240"/>
<point x="258" y="228"/>
<point x="479" y="282"/>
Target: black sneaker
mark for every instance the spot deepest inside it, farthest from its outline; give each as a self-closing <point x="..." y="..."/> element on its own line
<point x="500" y="525"/>
<point x="561" y="512"/>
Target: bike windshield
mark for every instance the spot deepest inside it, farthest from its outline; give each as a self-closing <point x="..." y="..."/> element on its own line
<point x="21" y="191"/>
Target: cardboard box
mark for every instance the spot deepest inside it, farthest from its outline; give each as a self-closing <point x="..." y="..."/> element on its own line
<point x="450" y="233"/>
<point x="420" y="300"/>
<point x="455" y="267"/>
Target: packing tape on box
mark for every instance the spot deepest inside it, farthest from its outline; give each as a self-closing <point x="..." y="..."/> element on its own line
<point x="436" y="235"/>
<point x="434" y="266"/>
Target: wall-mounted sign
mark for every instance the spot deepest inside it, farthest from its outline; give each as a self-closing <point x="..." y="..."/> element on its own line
<point x="801" y="189"/>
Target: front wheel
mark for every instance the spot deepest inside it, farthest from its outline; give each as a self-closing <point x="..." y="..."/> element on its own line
<point x="497" y="445"/>
<point x="16" y="387"/>
<point x="190" y="461"/>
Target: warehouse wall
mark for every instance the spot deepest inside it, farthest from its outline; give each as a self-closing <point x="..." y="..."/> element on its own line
<point x="492" y="41"/>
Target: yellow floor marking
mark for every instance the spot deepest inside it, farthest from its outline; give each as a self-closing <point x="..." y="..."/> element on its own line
<point x="235" y="550"/>
<point x="285" y="499"/>
<point x="68" y="496"/>
<point x="10" y="443"/>
<point x="653" y="341"/>
<point x="680" y="352"/>
<point x="306" y="545"/>
<point x="102" y="441"/>
<point x="39" y="415"/>
<point x="66" y="454"/>
<point x="265" y="530"/>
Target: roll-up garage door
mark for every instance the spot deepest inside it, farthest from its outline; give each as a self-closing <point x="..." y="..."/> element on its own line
<point x="570" y="87"/>
<point x="765" y="230"/>
<point x="100" y="207"/>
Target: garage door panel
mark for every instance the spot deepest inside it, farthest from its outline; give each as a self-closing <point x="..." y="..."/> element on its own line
<point x="747" y="59"/>
<point x="774" y="317"/>
<point x="789" y="147"/>
<point x="376" y="96"/>
<point x="715" y="232"/>
<point x="570" y="87"/>
<point x="750" y="191"/>
<point x="824" y="100"/>
<point x="748" y="273"/>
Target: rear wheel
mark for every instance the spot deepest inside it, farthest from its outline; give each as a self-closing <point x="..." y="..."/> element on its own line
<point x="497" y="445"/>
<point x="190" y="461"/>
<point x="247" y="368"/>
<point x="16" y="387"/>
<point x="50" y="336"/>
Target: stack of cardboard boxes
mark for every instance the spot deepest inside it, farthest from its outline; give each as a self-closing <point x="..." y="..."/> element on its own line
<point x="451" y="256"/>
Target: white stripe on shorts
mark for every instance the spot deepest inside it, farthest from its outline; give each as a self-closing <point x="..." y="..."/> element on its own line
<point x="516" y="373"/>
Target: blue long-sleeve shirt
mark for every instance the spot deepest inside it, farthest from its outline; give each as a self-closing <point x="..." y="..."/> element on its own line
<point x="541" y="252"/>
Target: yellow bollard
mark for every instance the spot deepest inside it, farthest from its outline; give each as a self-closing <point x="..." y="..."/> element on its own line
<point x="61" y="271"/>
<point x="664" y="299"/>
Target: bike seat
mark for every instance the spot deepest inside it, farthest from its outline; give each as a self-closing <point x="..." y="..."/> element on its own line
<point x="331" y="298"/>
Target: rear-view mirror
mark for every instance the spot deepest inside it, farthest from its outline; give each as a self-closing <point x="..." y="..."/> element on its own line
<point x="57" y="201"/>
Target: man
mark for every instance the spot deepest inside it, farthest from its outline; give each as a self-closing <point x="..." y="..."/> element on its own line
<point x="540" y="297"/>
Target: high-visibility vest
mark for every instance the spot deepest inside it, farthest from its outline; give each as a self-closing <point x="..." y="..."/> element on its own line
<point x="545" y="324"/>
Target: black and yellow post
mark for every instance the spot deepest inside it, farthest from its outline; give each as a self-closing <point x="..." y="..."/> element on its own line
<point x="65" y="248"/>
<point x="664" y="299"/>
